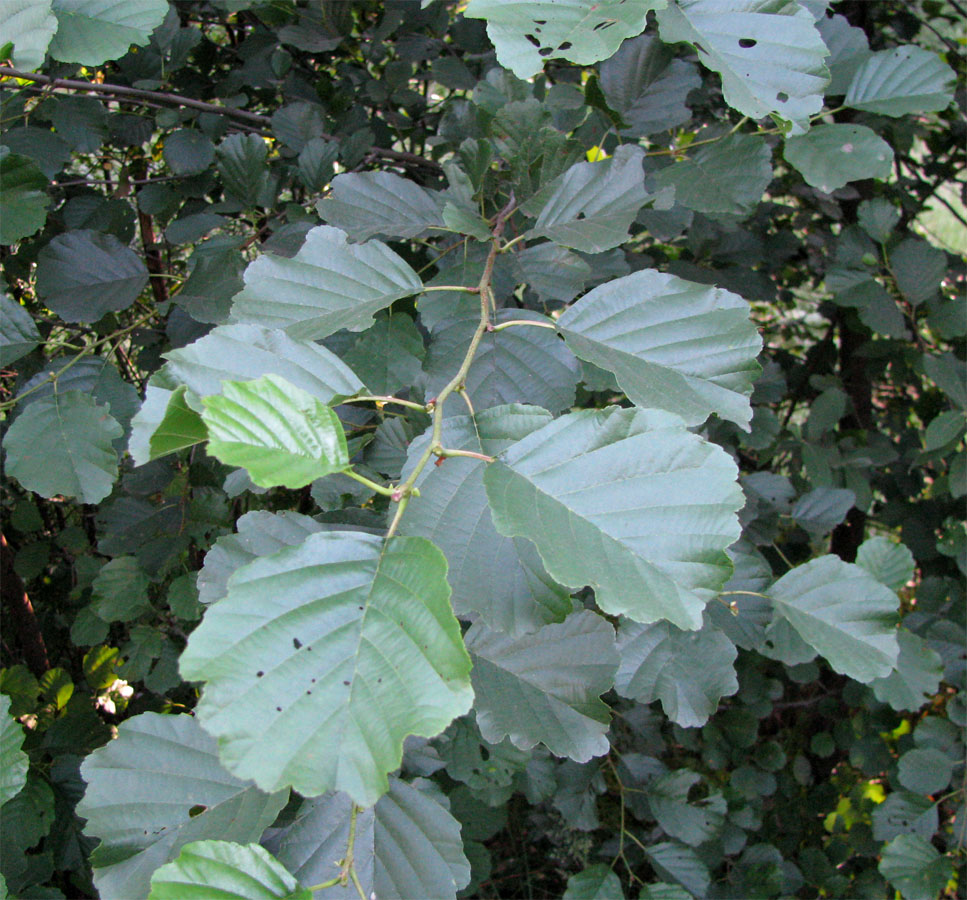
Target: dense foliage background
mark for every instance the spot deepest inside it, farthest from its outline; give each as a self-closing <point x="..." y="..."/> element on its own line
<point x="673" y="290"/>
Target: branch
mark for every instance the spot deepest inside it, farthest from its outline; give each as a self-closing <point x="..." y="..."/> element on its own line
<point x="21" y="610"/>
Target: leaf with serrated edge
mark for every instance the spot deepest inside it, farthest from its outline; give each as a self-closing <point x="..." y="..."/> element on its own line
<point x="23" y="193"/>
<point x="227" y="870"/>
<point x="328" y="285"/>
<point x="18" y="333"/>
<point x="407" y="845"/>
<point x="596" y="882"/>
<point x="672" y="344"/>
<point x="28" y="25"/>
<point x="900" y="81"/>
<point x="692" y="823"/>
<point x="281" y="434"/>
<point x="888" y="562"/>
<point x="831" y="156"/>
<point x="688" y="671"/>
<point x="913" y="866"/>
<point x="324" y="656"/>
<point x="628" y="502"/>
<point x="180" y="427"/>
<point x="142" y="789"/>
<point x="13" y="761"/>
<point x="916" y="677"/>
<point x="91" y="32"/>
<point x="841" y="611"/>
<point x="545" y="687"/>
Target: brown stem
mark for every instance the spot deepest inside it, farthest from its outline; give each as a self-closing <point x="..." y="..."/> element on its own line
<point x="152" y="258"/>
<point x="17" y="603"/>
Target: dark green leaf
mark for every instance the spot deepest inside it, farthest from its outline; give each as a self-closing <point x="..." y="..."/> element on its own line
<point x="91" y="32"/>
<point x="13" y="761"/>
<point x="914" y="867"/>
<point x="830" y="156"/>
<point x="596" y="882"/>
<point x="18" y="333"/>
<point x="388" y="355"/>
<point x="23" y="194"/>
<point x="188" y="152"/>
<point x="241" y="163"/>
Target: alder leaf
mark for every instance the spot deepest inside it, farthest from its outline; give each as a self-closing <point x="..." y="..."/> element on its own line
<point x="900" y="81"/>
<point x="831" y="156"/>
<point x="91" y="32"/>
<point x="13" y="761"/>
<point x="23" y="193"/>
<point x="28" y="25"/>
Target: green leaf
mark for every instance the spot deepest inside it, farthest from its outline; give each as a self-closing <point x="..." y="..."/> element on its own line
<point x="328" y="285"/>
<point x="841" y="611"/>
<point x="13" y="761"/>
<point x="155" y="788"/>
<point x="648" y="86"/>
<point x="914" y="867"/>
<point x="281" y="434"/>
<point x="23" y="197"/>
<point x="626" y="501"/>
<point x="245" y="352"/>
<point x="878" y="217"/>
<point x="545" y="687"/>
<point x="316" y="161"/>
<point x="848" y="49"/>
<point x="905" y="813"/>
<point x="768" y="52"/>
<point x="916" y="677"/>
<point x="925" y="770"/>
<point x="503" y="579"/>
<point x="388" y="355"/>
<point x="61" y="444"/>
<point x="661" y="890"/>
<point x="675" y="345"/>
<point x="179" y="426"/>
<point x="688" y="671"/>
<point x="553" y="271"/>
<point x="18" y="333"/>
<point x="371" y="623"/>
<point x="120" y="591"/>
<point x="371" y="204"/>
<point x="91" y="32"/>
<point x="677" y="862"/>
<point x="525" y="364"/>
<point x="83" y="275"/>
<point x="830" y="156"/>
<point x="525" y="33"/>
<point x="241" y="162"/>
<point x="591" y="206"/>
<point x="596" y="882"/>
<point x="691" y="823"/>
<point x="28" y="25"/>
<point x="919" y="268"/>
<point x="407" y="846"/>
<point x="888" y="562"/>
<point x="728" y="177"/>
<point x="206" y="869"/>
<point x="188" y="152"/>
<point x="904" y="80"/>
<point x="819" y="511"/>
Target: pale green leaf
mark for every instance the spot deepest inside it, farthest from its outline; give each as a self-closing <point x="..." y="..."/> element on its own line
<point x="371" y="204"/>
<point x="316" y="684"/>
<point x="688" y="671"/>
<point x="841" y="611"/>
<point x="916" y="677"/>
<point x="13" y="761"/>
<point x="591" y="206"/>
<point x="83" y="275"/>
<point x="281" y="434"/>
<point x="207" y="869"/>
<point x="904" y="80"/>
<point x="28" y="25"/>
<point x="888" y="562"/>
<point x="830" y="156"/>
<point x="728" y="177"/>
<point x="91" y="32"/>
<point x="328" y="285"/>
<point x="905" y="813"/>
<point x="597" y="882"/>
<point x="155" y="788"/>
<point x="23" y="197"/>
<point x="407" y="846"/>
<point x="18" y="333"/>
<point x="626" y="501"/>
<point x="677" y="862"/>
<point x="502" y="579"/>
<point x="675" y="345"/>
<point x="525" y="33"/>
<point x="914" y="867"/>
<point x="388" y="355"/>
<point x="545" y="687"/>
<point x="768" y="52"/>
<point x="62" y="444"/>
<point x="691" y="823"/>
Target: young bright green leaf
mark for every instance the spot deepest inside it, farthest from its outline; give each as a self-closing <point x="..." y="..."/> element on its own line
<point x="769" y="54"/>
<point x="18" y="333"/>
<point x="328" y="285"/>
<point x="62" y="444"/>
<point x="371" y="204"/>
<point x="155" y="788"/>
<point x="675" y="345"/>
<point x="591" y="206"/>
<point x="91" y="32"/>
<point x="279" y="433"/>
<point x="914" y="867"/>
<point x="525" y="33"/>
<point x="83" y="275"/>
<point x="728" y="177"/>
<point x="888" y="562"/>
<point x="180" y="427"/>
<point x="503" y="579"/>
<point x="626" y="501"/>
<point x="648" y="86"/>
<point x="13" y="761"/>
<point x="23" y="197"/>
<point x="900" y="81"/>
<point x="28" y="25"/>
<point x="522" y="364"/>
<point x="841" y="611"/>
<point x="688" y="671"/>
<point x="830" y="156"/>
<point x="916" y="677"/>
<point x="206" y="869"/>
<point x="597" y="882"/>
<point x="408" y="845"/>
<point x="557" y="674"/>
<point x="691" y="823"/>
<point x="324" y="656"/>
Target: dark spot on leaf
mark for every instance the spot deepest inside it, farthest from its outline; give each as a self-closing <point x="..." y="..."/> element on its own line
<point x="746" y="43"/>
<point x="313" y="681"/>
<point x="346" y="683"/>
<point x="540" y="21"/>
<point x="782" y="96"/>
<point x="259" y="674"/>
<point x="567" y="45"/>
<point x="603" y="26"/>
<point x="533" y="40"/>
<point x="544" y="51"/>
<point x="700" y="48"/>
<point x="379" y="680"/>
<point x="278" y="709"/>
<point x="581" y="215"/>
<point x="296" y="643"/>
<point x="197" y="810"/>
<point x="308" y="692"/>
